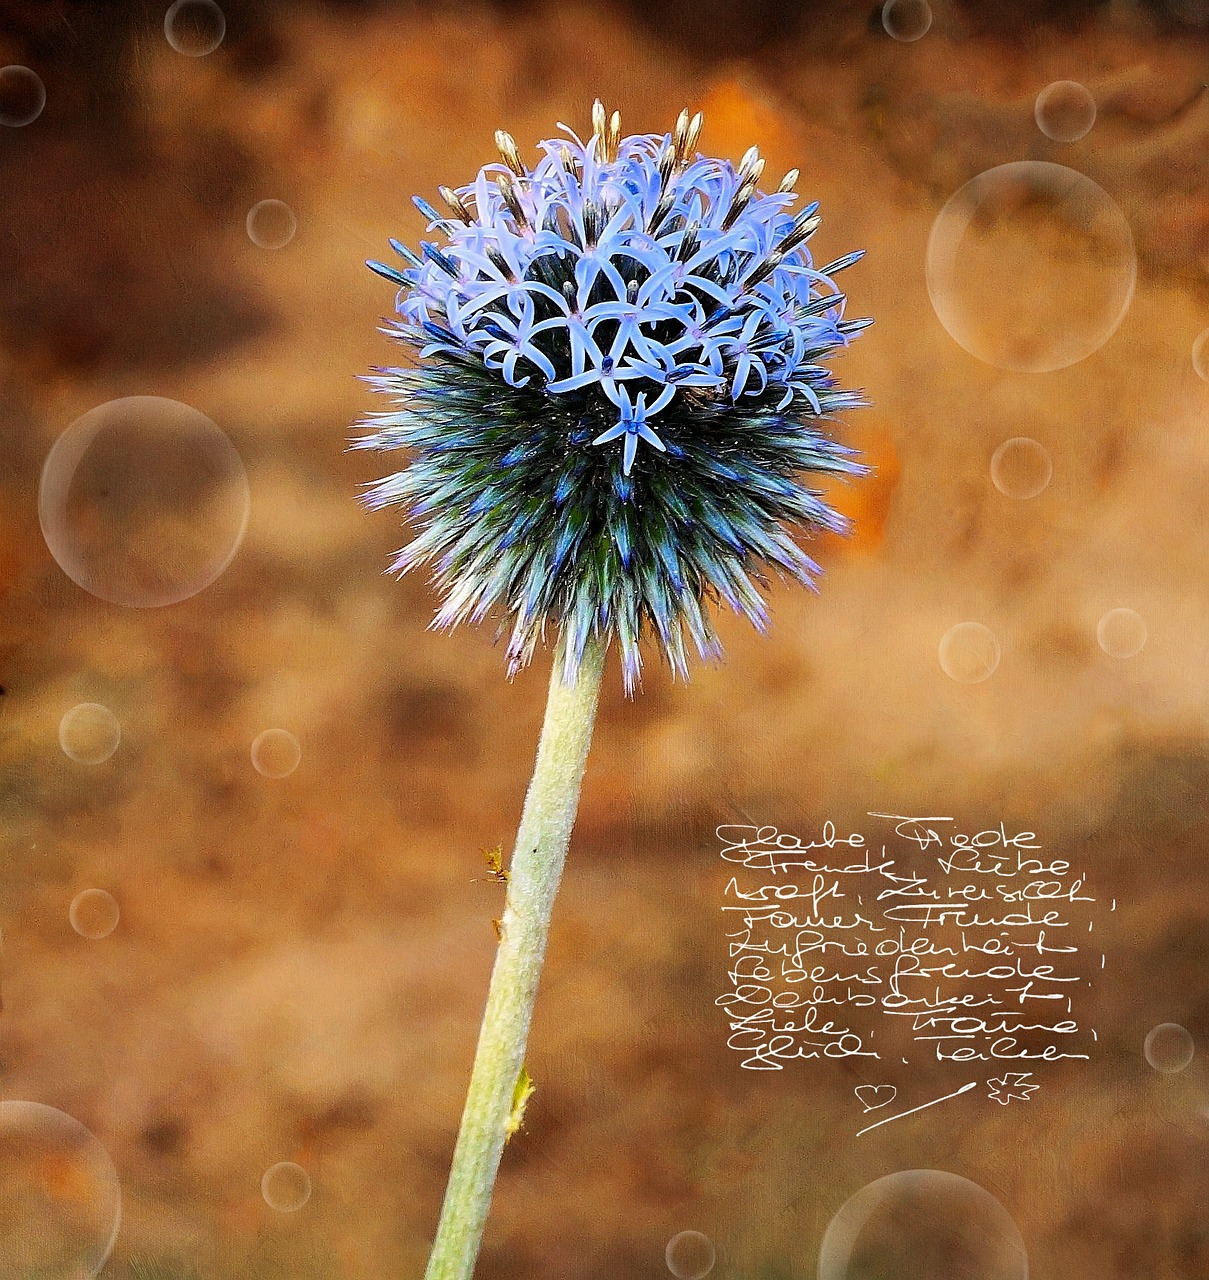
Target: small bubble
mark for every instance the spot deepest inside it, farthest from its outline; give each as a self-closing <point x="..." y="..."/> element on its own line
<point x="1021" y="468"/>
<point x="94" y="914"/>
<point x="1030" y="266"/>
<point x="286" y="1187"/>
<point x="22" y="96"/>
<point x="1169" y="1048"/>
<point x="195" y="27"/>
<point x="1065" y="111"/>
<point x="276" y="753"/>
<point x="89" y="733"/>
<point x="60" y="1200"/>
<point x="969" y="653"/>
<point x="907" y="20"/>
<point x="1200" y="355"/>
<point x="271" y="224"/>
<point x="1121" y="633"/>
<point x="690" y="1255"/>
<point x="143" y="501"/>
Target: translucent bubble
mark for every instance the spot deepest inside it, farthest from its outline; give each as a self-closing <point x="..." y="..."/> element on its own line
<point x="60" y="1201"/>
<point x="1030" y="266"/>
<point x="143" y="502"/>
<point x="1021" y="467"/>
<point x="1200" y="355"/>
<point x="1121" y="633"/>
<point x="195" y="27"/>
<point x="969" y="653"/>
<point x="89" y="733"/>
<point x="1065" y="111"/>
<point x="94" y="914"/>
<point x="690" y="1255"/>
<point x="22" y="96"/>
<point x="1169" y="1047"/>
<point x="920" y="1224"/>
<point x="286" y="1187"/>
<point x="271" y="224"/>
<point x="907" y="20"/>
<point x="276" y="753"/>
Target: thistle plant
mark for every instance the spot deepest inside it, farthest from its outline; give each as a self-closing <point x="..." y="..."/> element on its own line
<point x="617" y="400"/>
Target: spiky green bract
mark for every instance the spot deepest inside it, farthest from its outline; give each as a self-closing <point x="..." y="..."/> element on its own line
<point x="517" y="510"/>
<point x="619" y="292"/>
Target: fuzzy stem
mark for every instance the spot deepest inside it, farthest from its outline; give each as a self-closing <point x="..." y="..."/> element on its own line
<point x="537" y="864"/>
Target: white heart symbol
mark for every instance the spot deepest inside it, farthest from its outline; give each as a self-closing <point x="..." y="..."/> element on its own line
<point x="873" y="1096"/>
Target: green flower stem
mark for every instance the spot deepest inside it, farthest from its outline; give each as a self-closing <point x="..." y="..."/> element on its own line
<point x="536" y="868"/>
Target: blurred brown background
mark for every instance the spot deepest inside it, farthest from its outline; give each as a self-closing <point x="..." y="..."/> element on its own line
<point x="300" y="963"/>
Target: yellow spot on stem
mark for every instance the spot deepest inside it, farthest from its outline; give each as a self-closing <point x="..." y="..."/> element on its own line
<point x="520" y="1098"/>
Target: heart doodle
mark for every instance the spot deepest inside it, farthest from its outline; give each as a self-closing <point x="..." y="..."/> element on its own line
<point x="873" y="1096"/>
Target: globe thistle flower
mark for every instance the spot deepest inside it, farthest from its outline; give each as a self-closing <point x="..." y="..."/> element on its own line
<point x="619" y="383"/>
<point x="619" y="390"/>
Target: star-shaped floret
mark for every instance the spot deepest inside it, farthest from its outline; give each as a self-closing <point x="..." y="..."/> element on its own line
<point x="632" y="424"/>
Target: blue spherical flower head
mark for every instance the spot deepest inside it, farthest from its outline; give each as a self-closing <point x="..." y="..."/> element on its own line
<point x="618" y="393"/>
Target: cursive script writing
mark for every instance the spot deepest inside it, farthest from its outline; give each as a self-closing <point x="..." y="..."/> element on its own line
<point x="909" y="939"/>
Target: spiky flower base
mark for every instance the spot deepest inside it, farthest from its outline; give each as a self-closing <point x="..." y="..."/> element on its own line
<point x="622" y="293"/>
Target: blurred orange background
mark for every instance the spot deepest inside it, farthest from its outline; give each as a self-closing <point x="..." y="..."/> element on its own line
<point x="300" y="962"/>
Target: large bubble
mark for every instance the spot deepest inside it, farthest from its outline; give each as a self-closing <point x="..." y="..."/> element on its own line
<point x="690" y="1255"/>
<point x="1030" y="266"/>
<point x="1121" y="633"/>
<point x="1169" y="1048"/>
<point x="275" y="753"/>
<point x="969" y="653"/>
<point x="286" y="1187"/>
<point x="1200" y="355"/>
<point x="60" y="1202"/>
<point x="271" y="224"/>
<point x="89" y="733"/>
<point x="1021" y="467"/>
<point x="1065" y="111"/>
<point x="922" y="1224"/>
<point x="907" y="20"/>
<point x="143" y="502"/>
<point x="195" y="27"/>
<point x="94" y="914"/>
<point x="22" y="96"/>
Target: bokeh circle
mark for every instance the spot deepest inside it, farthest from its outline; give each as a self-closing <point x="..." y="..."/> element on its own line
<point x="907" y="20"/>
<point x="690" y="1255"/>
<point x="195" y="27"/>
<point x="1065" y="111"/>
<point x="969" y="653"/>
<point x="89" y="733"/>
<point x="1200" y="355"/>
<point x="143" y="501"/>
<point x="1121" y="633"/>
<point x="275" y="753"/>
<point x="286" y="1187"/>
<point x="1030" y="266"/>
<point x="920" y="1224"/>
<point x="60" y="1200"/>
<point x="1021" y="467"/>
<point x="94" y="914"/>
<point x="1169" y="1047"/>
<point x="22" y="96"/>
<point x="271" y="224"/>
